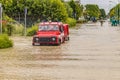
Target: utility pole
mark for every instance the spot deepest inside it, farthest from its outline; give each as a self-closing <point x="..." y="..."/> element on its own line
<point x="0" y="18"/>
<point x="25" y="20"/>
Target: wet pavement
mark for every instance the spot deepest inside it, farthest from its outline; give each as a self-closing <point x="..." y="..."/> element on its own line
<point x="93" y="53"/>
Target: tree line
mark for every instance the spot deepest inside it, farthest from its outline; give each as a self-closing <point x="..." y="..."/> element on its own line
<point x="44" y="10"/>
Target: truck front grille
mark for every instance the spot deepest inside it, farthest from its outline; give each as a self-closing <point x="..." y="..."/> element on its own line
<point x="44" y="39"/>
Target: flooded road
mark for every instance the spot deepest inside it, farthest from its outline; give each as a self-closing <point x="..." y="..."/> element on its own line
<point x="93" y="53"/>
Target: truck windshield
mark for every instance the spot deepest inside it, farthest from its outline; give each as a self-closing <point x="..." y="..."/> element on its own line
<point x="48" y="27"/>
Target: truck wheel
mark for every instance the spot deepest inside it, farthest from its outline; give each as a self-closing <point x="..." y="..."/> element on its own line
<point x="67" y="39"/>
<point x="63" y="40"/>
<point x="59" y="42"/>
<point x="33" y="44"/>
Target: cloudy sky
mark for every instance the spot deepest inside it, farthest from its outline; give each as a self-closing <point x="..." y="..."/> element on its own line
<point x="106" y="4"/>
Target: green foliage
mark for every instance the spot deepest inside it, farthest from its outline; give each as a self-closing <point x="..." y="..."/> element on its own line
<point x="5" y="42"/>
<point x="7" y="26"/>
<point x="7" y="19"/>
<point x="69" y="10"/>
<point x="103" y="14"/>
<point x="112" y="12"/>
<point x="58" y="11"/>
<point x="8" y="29"/>
<point x="77" y="9"/>
<point x="18" y="29"/>
<point x="11" y="26"/>
<point x="71" y="22"/>
<point x="38" y="9"/>
<point x="92" y="10"/>
<point x="73" y="5"/>
<point x="31" y="31"/>
<point x="115" y="11"/>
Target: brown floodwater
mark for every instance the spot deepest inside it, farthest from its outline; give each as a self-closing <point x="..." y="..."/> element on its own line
<point x="93" y="53"/>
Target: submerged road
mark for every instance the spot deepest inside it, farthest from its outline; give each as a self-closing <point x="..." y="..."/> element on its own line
<point x="93" y="53"/>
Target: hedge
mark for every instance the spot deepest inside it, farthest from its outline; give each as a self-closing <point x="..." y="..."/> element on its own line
<point x="5" y="42"/>
<point x="32" y="30"/>
<point x="71" y="22"/>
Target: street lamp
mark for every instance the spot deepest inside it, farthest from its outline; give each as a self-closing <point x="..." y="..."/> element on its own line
<point x="0" y="18"/>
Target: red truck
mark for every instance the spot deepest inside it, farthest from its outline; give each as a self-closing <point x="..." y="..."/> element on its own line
<point x="51" y="33"/>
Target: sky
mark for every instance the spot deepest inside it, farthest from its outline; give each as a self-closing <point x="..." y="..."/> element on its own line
<point x="105" y="4"/>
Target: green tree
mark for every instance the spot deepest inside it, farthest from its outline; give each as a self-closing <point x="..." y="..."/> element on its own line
<point x="103" y="14"/>
<point x="37" y="10"/>
<point x="58" y="10"/>
<point x="92" y="10"/>
<point x="73" y="6"/>
<point x="40" y="10"/>
<point x="69" y="10"/>
<point x="115" y="11"/>
<point x="112" y="12"/>
<point x="77" y="9"/>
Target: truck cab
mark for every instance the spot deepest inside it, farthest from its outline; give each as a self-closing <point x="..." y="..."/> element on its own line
<point x="51" y="33"/>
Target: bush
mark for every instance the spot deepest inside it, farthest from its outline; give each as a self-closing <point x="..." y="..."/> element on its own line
<point x="5" y="42"/>
<point x="71" y="22"/>
<point x="31" y="31"/>
<point x="18" y="29"/>
<point x="8" y="28"/>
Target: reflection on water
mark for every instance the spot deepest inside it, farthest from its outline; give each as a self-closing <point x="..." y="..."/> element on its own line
<point x="92" y="50"/>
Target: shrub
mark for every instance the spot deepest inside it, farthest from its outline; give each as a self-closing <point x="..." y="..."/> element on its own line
<point x="18" y="29"/>
<point x="31" y="31"/>
<point x="5" y="42"/>
<point x="8" y="28"/>
<point x="71" y="22"/>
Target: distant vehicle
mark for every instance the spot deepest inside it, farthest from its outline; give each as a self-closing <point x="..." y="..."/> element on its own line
<point x="51" y="33"/>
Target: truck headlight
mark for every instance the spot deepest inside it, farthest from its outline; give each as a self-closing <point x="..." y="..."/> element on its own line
<point x="37" y="39"/>
<point x="53" y="38"/>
